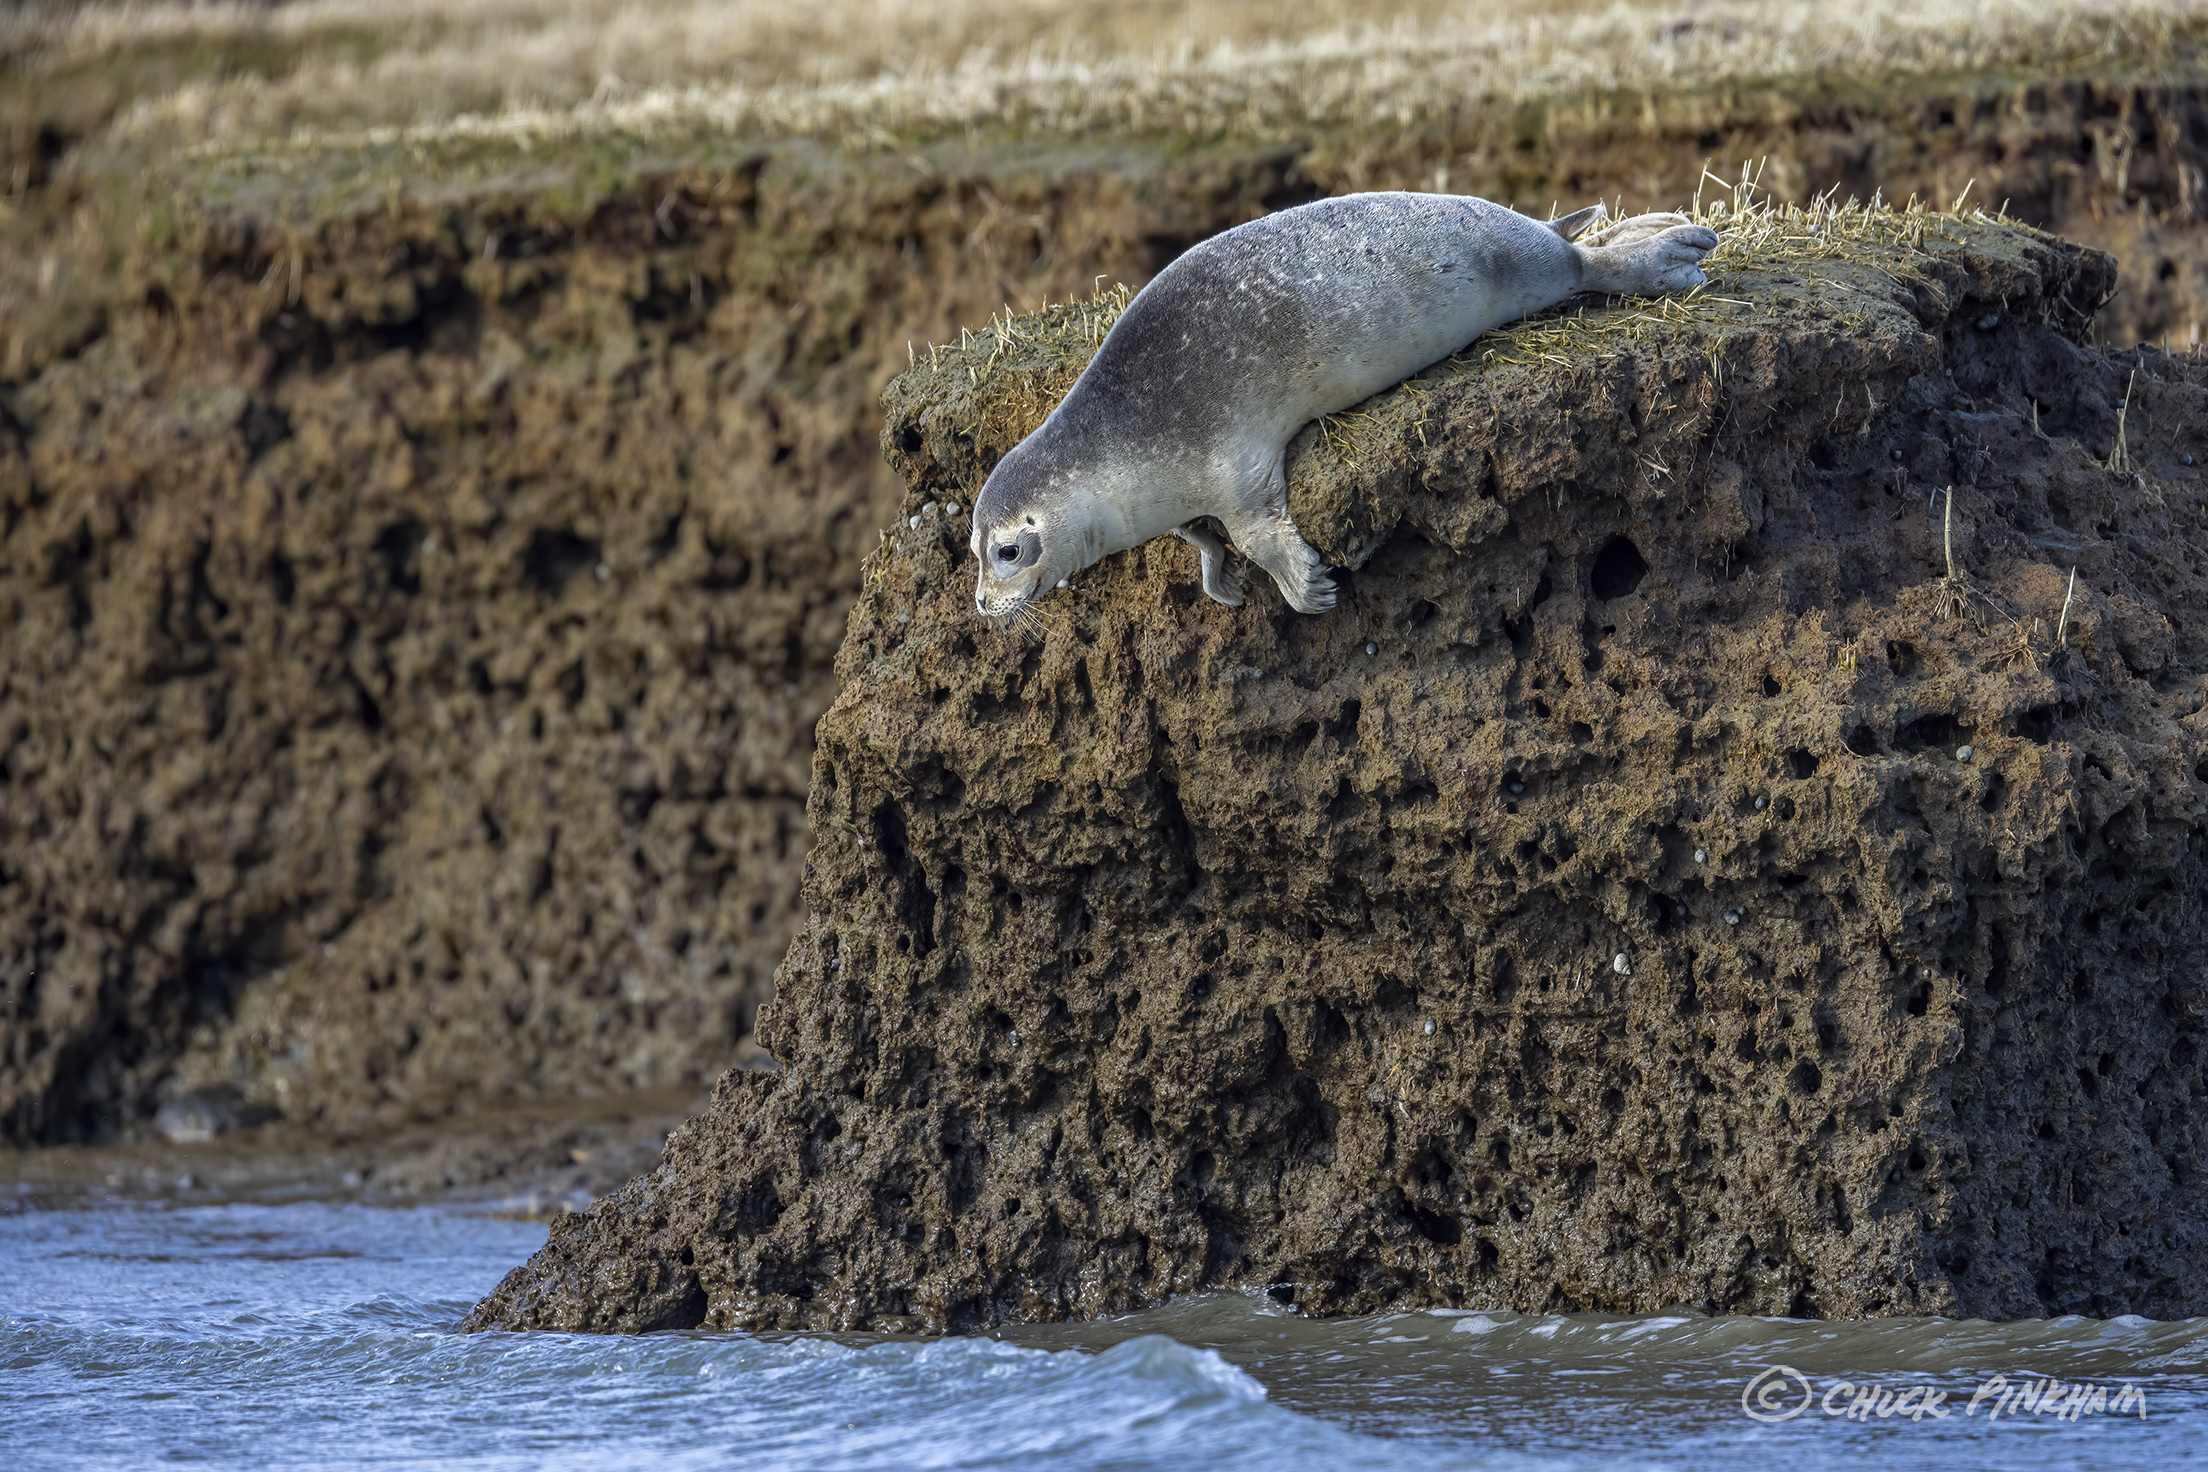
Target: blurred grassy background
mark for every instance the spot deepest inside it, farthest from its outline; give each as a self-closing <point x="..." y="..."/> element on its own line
<point x="327" y="73"/>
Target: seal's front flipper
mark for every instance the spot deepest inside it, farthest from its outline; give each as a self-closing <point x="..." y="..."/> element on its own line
<point x="1573" y="225"/>
<point x="1274" y="544"/>
<point x="1220" y="581"/>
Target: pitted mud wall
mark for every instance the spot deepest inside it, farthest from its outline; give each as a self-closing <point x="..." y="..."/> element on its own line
<point x="416" y="628"/>
<point x="1659" y="881"/>
<point x="415" y="622"/>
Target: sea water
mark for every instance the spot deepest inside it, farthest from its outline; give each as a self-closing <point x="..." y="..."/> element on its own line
<point x="140" y="1333"/>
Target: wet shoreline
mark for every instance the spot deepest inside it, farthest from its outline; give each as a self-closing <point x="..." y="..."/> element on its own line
<point x="318" y="1333"/>
<point x="536" y="1161"/>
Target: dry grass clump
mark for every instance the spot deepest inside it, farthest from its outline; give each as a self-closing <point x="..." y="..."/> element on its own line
<point x="1042" y="351"/>
<point x="1754" y="232"/>
<point x="532" y="70"/>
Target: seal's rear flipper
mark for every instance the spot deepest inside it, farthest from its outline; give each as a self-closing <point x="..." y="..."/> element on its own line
<point x="1571" y="226"/>
<point x="1669" y="260"/>
<point x="1635" y="227"/>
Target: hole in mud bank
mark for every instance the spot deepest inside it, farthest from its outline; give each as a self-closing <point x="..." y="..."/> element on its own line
<point x="554" y="557"/>
<point x="1806" y="1078"/>
<point x="1584" y="733"/>
<point x="1861" y="741"/>
<point x="1997" y="962"/>
<point x="909" y="439"/>
<point x="370" y="713"/>
<point x="1902" y="658"/>
<point x="1440" y="1230"/>
<point x="1618" y="570"/>
<point x="264" y="426"/>
<point x="1935" y="732"/>
<point x="1283" y="1294"/>
<point x="1613" y="1100"/>
<point x="1011" y="1206"/>
<point x="396" y="546"/>
<point x="1920" y="999"/>
<point x="2047" y="1131"/>
<point x="689" y="1258"/>
<point x="1771" y="687"/>
<point x="1801" y="764"/>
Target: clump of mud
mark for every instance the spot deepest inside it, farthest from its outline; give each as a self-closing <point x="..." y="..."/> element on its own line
<point x="1667" y="878"/>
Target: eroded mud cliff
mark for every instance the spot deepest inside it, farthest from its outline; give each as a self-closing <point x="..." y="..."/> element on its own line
<point x="418" y="584"/>
<point x="1661" y="881"/>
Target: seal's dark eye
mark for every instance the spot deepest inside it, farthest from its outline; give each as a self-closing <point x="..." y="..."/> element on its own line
<point x="1008" y="553"/>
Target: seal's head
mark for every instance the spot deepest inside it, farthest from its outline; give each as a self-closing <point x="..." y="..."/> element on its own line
<point x="1016" y="565"/>
<point x="1020" y="540"/>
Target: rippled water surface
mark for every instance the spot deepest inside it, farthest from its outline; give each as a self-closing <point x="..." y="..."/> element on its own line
<point x="317" y="1334"/>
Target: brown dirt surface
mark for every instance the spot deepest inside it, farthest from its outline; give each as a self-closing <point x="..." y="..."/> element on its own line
<point x="1598" y="911"/>
<point x="332" y="772"/>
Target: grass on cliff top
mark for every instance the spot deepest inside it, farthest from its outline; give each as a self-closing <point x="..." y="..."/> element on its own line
<point x="338" y="75"/>
<point x="1044" y="351"/>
